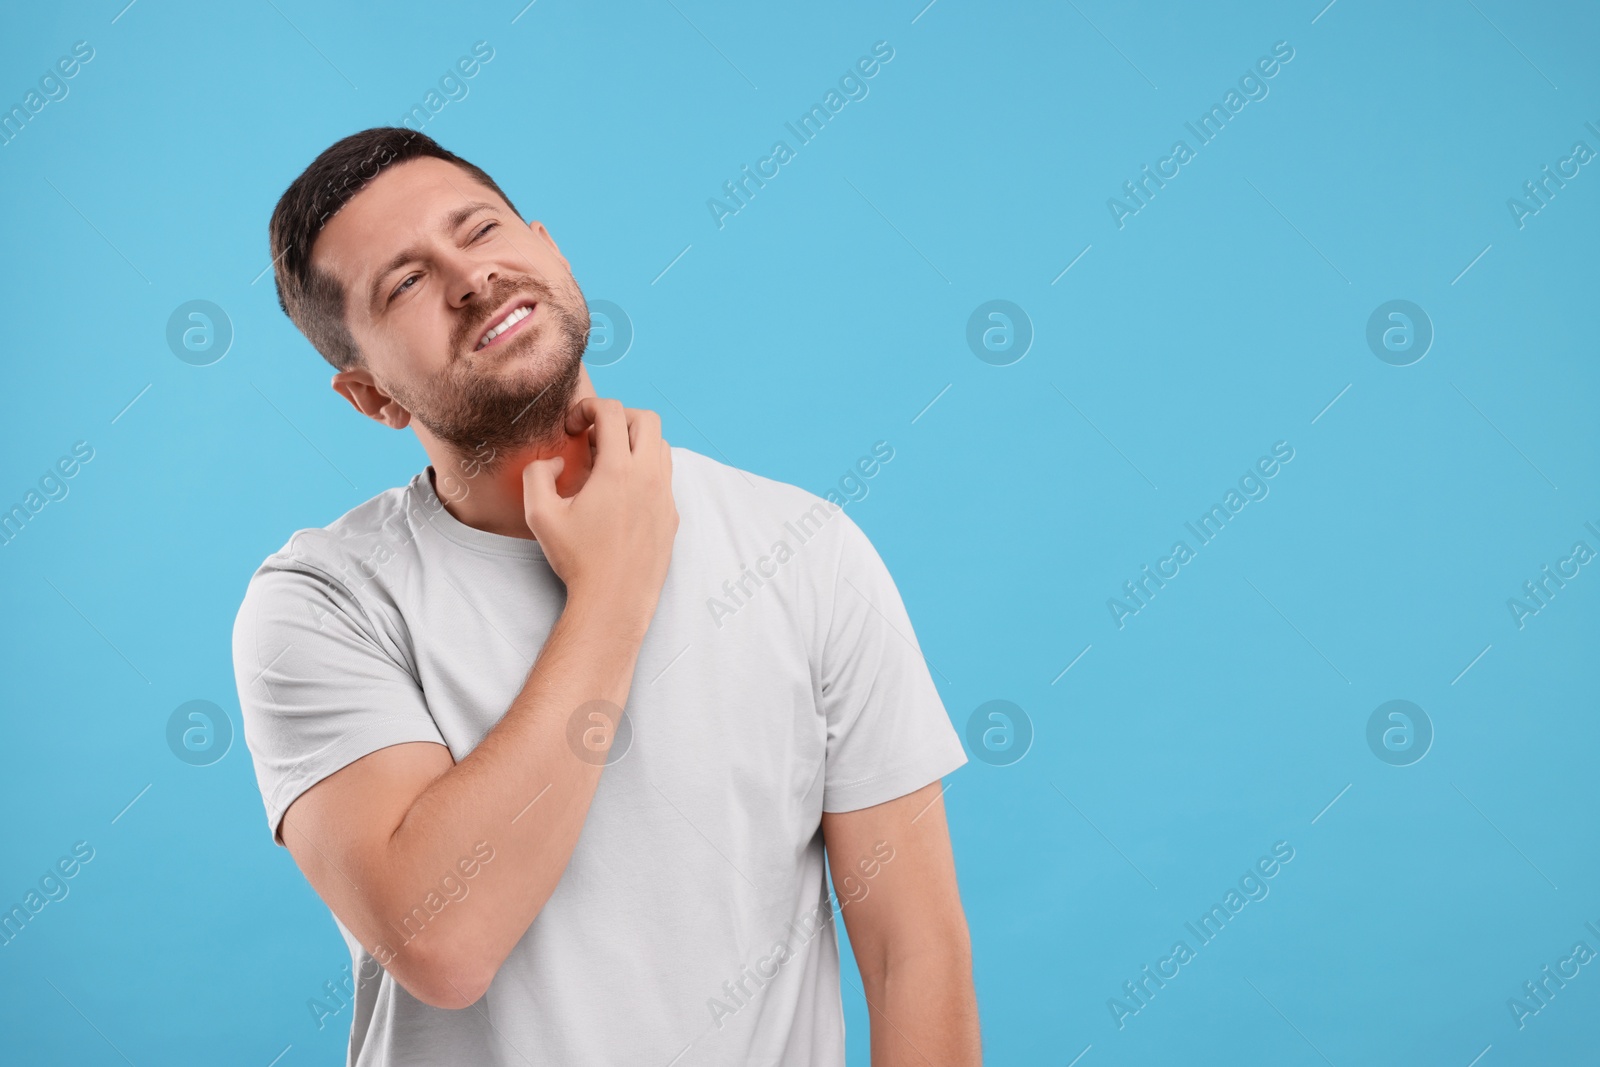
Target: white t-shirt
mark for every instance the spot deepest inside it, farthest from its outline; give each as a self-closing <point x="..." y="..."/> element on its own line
<point x="780" y="678"/>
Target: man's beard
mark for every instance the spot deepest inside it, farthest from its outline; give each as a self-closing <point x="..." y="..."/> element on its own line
<point x="484" y="416"/>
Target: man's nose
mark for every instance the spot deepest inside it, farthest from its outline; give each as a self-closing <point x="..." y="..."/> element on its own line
<point x="471" y="280"/>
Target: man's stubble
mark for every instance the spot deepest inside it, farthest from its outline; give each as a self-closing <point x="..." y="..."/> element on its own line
<point x="485" y="414"/>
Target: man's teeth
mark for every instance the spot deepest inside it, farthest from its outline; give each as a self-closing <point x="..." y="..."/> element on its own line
<point x="510" y="321"/>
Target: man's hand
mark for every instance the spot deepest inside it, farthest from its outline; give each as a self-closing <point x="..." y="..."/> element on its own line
<point x="612" y="541"/>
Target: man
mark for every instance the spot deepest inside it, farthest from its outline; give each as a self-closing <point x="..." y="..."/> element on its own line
<point x="433" y="687"/>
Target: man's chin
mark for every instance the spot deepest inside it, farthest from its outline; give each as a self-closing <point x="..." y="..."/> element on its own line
<point x="534" y="371"/>
<point x="506" y="398"/>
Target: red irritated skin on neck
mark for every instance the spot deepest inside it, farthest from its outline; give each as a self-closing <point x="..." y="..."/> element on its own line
<point x="576" y="451"/>
<point x="493" y="500"/>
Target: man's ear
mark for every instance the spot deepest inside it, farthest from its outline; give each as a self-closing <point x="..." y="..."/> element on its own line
<point x="367" y="397"/>
<point x="537" y="229"/>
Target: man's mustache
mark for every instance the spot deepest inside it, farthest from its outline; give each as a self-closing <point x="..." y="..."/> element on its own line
<point x="470" y="331"/>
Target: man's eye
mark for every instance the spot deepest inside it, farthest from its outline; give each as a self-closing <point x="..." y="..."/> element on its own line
<point x="486" y="229"/>
<point x="403" y="286"/>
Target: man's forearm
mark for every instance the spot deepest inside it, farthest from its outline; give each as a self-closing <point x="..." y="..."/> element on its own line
<point x="925" y="1011"/>
<point x="525" y="791"/>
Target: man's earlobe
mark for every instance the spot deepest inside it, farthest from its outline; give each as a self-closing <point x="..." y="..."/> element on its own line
<point x="367" y="397"/>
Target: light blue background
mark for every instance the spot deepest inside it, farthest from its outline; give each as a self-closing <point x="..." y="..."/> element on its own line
<point x="825" y="316"/>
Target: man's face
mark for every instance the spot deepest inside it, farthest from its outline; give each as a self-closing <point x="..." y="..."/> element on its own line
<point x="431" y="263"/>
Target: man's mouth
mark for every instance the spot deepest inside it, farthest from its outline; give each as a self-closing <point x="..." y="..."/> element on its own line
<point x="506" y="324"/>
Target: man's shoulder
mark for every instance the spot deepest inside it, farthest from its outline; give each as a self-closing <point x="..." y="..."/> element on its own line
<point x="712" y="478"/>
<point x="738" y="495"/>
<point x="382" y="525"/>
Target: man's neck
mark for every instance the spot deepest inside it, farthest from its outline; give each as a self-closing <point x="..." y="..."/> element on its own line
<point x="485" y="492"/>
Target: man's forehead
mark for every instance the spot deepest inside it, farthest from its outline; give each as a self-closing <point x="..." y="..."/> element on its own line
<point x="405" y="201"/>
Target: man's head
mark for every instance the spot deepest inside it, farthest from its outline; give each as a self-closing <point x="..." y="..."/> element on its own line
<point x="397" y="259"/>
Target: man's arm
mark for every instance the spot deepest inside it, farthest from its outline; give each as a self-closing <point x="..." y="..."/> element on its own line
<point x="907" y="928"/>
<point x="375" y="838"/>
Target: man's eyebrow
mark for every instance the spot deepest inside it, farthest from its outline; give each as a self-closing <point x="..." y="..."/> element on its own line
<point x="406" y="255"/>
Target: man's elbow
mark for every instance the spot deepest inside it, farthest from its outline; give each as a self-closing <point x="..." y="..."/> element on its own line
<point x="444" y="977"/>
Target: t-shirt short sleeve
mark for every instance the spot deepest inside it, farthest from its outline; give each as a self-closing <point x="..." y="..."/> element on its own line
<point x="319" y="684"/>
<point x="888" y="732"/>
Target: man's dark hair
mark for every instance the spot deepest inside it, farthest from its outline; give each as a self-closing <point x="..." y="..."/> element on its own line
<point x="313" y="299"/>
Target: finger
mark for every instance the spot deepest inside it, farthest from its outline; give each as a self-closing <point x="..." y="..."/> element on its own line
<point x="539" y="496"/>
<point x="583" y="413"/>
<point x="580" y="415"/>
<point x="644" y="429"/>
<point x="610" y="431"/>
